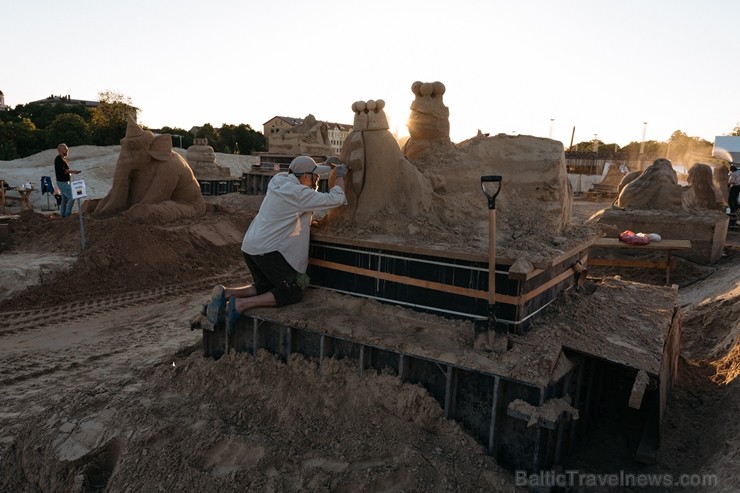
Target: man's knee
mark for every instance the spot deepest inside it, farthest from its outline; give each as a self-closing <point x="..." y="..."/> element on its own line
<point x="288" y="293"/>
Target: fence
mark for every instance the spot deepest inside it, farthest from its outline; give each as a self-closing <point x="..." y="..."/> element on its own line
<point x="592" y="163"/>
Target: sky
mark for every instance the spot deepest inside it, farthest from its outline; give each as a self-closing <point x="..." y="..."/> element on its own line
<point x="571" y="70"/>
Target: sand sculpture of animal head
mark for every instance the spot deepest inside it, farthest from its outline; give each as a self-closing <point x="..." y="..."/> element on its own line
<point x="656" y="188"/>
<point x="701" y="193"/>
<point x="150" y="183"/>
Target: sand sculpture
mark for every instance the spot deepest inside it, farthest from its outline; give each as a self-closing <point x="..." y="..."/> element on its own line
<point x="202" y="160"/>
<point x="702" y="192"/>
<point x="655" y="188"/>
<point x="435" y="198"/>
<point x="720" y="176"/>
<point x="429" y="123"/>
<point x="381" y="177"/>
<point x="310" y="138"/>
<point x="151" y="183"/>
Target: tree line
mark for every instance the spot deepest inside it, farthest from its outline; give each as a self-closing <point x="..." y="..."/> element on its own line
<point x="680" y="147"/>
<point x="32" y="128"/>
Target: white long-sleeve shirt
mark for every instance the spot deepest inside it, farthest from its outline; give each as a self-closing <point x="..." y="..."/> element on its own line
<point x="284" y="220"/>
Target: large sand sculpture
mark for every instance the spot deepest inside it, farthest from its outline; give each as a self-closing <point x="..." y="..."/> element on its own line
<point x="432" y="195"/>
<point x="310" y="138"/>
<point x="151" y="183"/>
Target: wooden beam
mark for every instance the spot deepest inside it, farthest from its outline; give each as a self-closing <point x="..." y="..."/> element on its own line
<point x="653" y="245"/>
<point x="620" y="262"/>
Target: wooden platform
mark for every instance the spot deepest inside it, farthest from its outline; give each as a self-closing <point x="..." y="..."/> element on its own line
<point x="667" y="246"/>
<point x="444" y="282"/>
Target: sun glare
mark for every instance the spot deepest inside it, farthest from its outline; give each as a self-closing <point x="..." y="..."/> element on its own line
<point x="397" y="126"/>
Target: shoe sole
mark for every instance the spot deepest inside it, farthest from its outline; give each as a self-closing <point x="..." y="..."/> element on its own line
<point x="217" y="305"/>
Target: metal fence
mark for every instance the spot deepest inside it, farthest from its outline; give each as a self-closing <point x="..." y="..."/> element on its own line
<point x="592" y="163"/>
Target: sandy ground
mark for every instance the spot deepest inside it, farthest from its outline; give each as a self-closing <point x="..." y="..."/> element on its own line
<point x="104" y="388"/>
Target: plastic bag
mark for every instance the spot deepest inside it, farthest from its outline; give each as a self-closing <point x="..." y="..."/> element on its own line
<point x="632" y="238"/>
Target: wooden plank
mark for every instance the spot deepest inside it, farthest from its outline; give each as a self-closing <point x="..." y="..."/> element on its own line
<point x="618" y="262"/>
<point x="654" y="245"/>
<point x="552" y="282"/>
<point x="566" y="255"/>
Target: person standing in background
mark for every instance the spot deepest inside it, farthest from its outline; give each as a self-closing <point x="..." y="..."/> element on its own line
<point x="63" y="174"/>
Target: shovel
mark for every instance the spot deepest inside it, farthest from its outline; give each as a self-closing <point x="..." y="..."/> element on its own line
<point x="496" y="337"/>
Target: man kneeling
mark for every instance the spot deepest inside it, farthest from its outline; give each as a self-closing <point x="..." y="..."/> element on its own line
<point x="275" y="246"/>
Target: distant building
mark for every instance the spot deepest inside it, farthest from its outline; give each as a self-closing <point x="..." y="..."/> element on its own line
<point x="66" y="100"/>
<point x="338" y="132"/>
<point x="3" y="106"/>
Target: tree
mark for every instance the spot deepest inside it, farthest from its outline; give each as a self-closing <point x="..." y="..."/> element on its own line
<point x="8" y="150"/>
<point x="248" y="140"/>
<point x="736" y="131"/>
<point x="68" y="128"/>
<point x="28" y="140"/>
<point x="180" y="136"/>
<point x="109" y="118"/>
<point x="208" y="132"/>
<point x="42" y="115"/>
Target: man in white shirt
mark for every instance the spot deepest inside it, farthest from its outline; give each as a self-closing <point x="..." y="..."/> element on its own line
<point x="733" y="184"/>
<point x="275" y="246"/>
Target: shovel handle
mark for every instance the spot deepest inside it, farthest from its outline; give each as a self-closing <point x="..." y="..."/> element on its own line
<point x="491" y="196"/>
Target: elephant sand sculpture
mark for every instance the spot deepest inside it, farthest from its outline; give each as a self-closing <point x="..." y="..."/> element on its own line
<point x="151" y="183"/>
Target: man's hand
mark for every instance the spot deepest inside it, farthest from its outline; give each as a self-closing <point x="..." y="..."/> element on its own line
<point x="341" y="170"/>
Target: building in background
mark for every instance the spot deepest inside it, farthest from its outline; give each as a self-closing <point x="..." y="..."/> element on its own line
<point x="66" y="100"/>
<point x="3" y="106"/>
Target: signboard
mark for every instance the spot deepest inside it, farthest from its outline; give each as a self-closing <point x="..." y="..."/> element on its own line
<point x="79" y="191"/>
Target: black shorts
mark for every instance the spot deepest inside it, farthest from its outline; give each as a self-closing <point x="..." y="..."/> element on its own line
<point x="272" y="273"/>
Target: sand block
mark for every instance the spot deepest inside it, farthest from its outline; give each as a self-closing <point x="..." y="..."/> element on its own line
<point x="707" y="232"/>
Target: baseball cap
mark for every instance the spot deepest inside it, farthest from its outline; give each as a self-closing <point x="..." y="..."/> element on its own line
<point x="302" y="164"/>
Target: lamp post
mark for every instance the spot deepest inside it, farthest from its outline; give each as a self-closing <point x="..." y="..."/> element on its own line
<point x="180" y="136"/>
<point x="552" y="122"/>
<point x="642" y="144"/>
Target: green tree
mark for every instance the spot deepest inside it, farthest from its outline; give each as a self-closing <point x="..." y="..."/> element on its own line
<point x="8" y="150"/>
<point x="28" y="140"/>
<point x="179" y="135"/>
<point x="736" y="131"/>
<point x="68" y="128"/>
<point x="249" y="140"/>
<point x="208" y="132"/>
<point x="42" y="115"/>
<point x="109" y="118"/>
<point x="239" y="137"/>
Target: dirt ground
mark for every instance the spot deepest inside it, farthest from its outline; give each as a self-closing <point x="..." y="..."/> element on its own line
<point x="104" y="387"/>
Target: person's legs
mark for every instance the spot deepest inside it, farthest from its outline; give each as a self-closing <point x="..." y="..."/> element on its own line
<point x="274" y="283"/>
<point x="260" y="283"/>
<point x="732" y="199"/>
<point x="67" y="200"/>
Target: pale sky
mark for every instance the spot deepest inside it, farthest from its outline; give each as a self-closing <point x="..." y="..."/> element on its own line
<point x="535" y="67"/>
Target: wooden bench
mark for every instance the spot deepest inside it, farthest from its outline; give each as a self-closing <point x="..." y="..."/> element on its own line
<point x="667" y="246"/>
